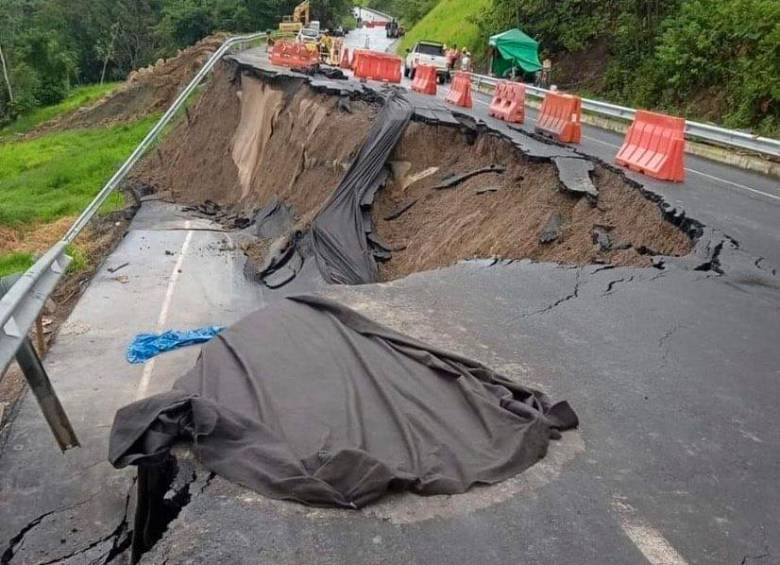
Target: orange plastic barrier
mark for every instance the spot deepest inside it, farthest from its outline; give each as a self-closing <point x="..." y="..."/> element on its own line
<point x="295" y="55"/>
<point x="424" y="79"/>
<point x="460" y="90"/>
<point x="373" y="65"/>
<point x="508" y="102"/>
<point x="560" y="117"/>
<point x="345" y="64"/>
<point x="655" y="146"/>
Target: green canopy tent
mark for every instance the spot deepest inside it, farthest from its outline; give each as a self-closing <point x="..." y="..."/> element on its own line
<point x="513" y="48"/>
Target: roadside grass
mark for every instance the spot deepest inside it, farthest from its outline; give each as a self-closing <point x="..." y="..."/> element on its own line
<point x="56" y="175"/>
<point x="15" y="262"/>
<point x="450" y="22"/>
<point x="78" y="97"/>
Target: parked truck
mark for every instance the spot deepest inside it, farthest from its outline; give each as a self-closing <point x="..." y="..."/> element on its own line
<point x="427" y="53"/>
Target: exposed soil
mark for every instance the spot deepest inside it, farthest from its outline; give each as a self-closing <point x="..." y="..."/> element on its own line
<point x="249" y="140"/>
<point x="35" y="238"/>
<point x="147" y="91"/>
<point x="466" y="221"/>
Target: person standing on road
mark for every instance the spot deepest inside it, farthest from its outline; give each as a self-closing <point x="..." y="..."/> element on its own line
<point x="453" y="55"/>
<point x="465" y="62"/>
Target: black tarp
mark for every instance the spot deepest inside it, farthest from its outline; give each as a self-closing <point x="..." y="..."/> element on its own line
<point x="339" y="230"/>
<point x="340" y="236"/>
<point x="310" y="401"/>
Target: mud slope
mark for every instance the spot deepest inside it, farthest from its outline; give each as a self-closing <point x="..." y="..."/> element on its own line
<point x="252" y="139"/>
<point x="247" y="142"/>
<point x="504" y="215"/>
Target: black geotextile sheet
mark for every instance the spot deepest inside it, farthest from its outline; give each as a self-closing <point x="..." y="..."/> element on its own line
<point x="339" y="230"/>
<point x="310" y="401"/>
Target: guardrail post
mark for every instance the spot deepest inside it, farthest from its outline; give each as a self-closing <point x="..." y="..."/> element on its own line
<point x="52" y="409"/>
<point x="39" y="383"/>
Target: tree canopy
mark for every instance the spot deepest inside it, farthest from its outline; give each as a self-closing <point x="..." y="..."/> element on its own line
<point x="50" y="45"/>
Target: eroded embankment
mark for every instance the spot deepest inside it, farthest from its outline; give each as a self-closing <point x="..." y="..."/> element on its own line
<point x="520" y="213"/>
<point x="248" y="141"/>
<point x="252" y="139"/>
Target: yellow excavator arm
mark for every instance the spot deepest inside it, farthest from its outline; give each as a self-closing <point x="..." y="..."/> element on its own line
<point x="302" y="13"/>
<point x="299" y="19"/>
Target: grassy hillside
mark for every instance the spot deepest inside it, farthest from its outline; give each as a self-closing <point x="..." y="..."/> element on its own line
<point x="451" y="22"/>
<point x="46" y="181"/>
<point x="78" y="97"/>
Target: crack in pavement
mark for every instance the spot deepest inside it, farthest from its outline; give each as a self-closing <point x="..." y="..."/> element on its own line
<point x="612" y="284"/>
<point x="15" y="541"/>
<point x="753" y="558"/>
<point x="663" y="342"/>
<point x="574" y="294"/>
<point x="211" y="477"/>
<point x="117" y="546"/>
<point x="768" y="268"/>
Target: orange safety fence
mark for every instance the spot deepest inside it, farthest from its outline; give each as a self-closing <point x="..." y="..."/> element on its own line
<point x="508" y="102"/>
<point x="655" y="146"/>
<point x="424" y="80"/>
<point x="460" y="90"/>
<point x="294" y="55"/>
<point x="372" y="65"/>
<point x="560" y="117"/>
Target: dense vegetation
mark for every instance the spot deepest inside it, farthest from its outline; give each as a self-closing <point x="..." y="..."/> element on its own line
<point x="708" y="59"/>
<point x="48" y="46"/>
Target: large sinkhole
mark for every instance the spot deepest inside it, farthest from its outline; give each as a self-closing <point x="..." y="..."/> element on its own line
<point x="252" y="140"/>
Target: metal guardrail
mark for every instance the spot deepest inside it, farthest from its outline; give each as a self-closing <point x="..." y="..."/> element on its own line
<point x="24" y="300"/>
<point x="693" y="130"/>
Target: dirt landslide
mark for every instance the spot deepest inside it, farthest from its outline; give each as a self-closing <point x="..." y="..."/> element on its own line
<point x="249" y="141"/>
<point x="149" y="90"/>
<point x="505" y="215"/>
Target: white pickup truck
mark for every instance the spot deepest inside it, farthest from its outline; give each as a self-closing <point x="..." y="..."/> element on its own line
<point x="427" y="53"/>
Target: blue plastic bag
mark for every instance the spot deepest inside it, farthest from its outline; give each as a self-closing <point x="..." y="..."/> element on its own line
<point x="145" y="346"/>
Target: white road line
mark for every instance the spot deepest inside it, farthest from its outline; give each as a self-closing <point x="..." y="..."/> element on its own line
<point x="694" y="171"/>
<point x="146" y="375"/>
<point x="734" y="184"/>
<point x="654" y="546"/>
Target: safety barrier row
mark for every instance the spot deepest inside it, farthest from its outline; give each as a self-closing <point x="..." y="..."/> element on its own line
<point x="424" y="80"/>
<point x="373" y="65"/>
<point x="694" y="131"/>
<point x="460" y="90"/>
<point x="293" y="55"/>
<point x="654" y="144"/>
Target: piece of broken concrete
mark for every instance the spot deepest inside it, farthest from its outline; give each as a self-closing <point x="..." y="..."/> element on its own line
<point x="552" y="230"/>
<point x="601" y="237"/>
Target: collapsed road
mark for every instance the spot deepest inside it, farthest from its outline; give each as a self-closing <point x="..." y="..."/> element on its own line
<point x="659" y="329"/>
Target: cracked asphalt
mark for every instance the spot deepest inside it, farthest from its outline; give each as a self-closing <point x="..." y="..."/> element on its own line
<point x="673" y="371"/>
